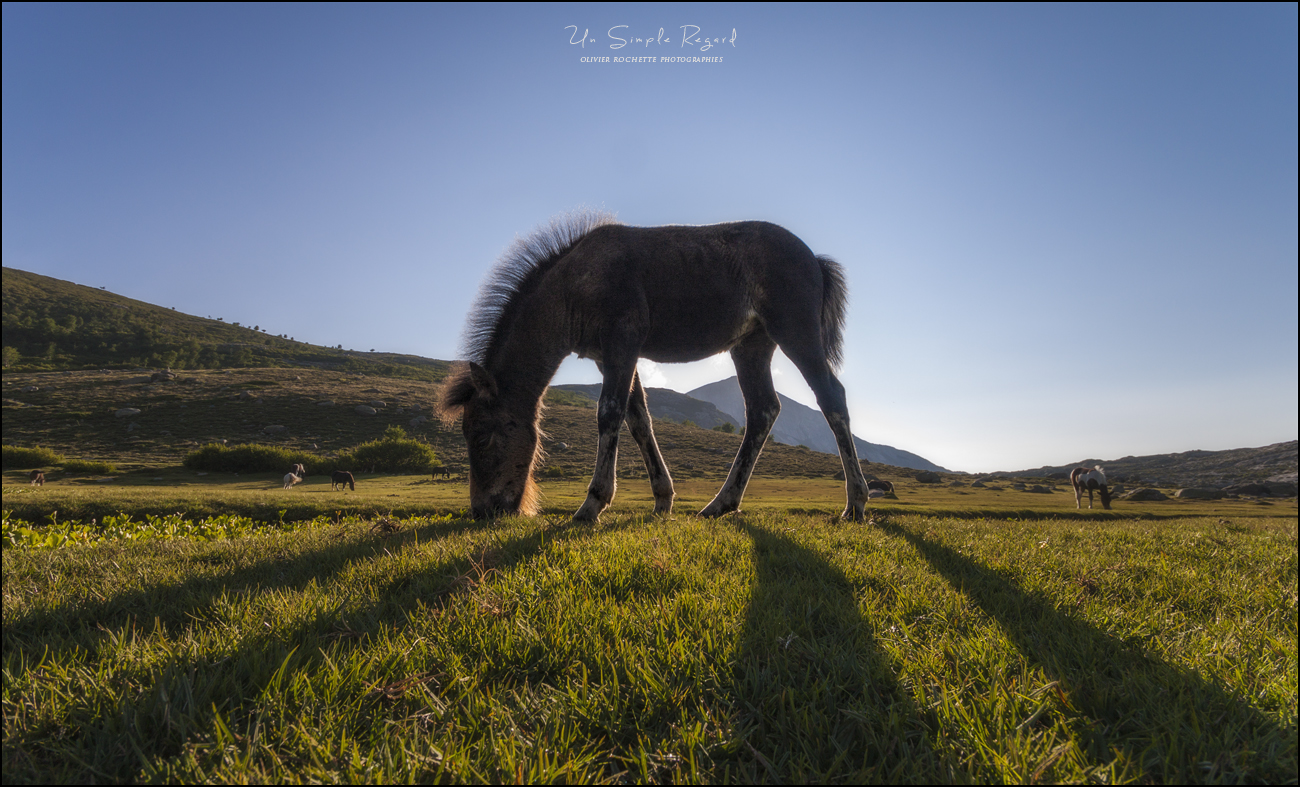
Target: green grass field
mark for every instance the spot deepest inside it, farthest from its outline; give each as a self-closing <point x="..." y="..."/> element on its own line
<point x="170" y="490"/>
<point x="984" y="636"/>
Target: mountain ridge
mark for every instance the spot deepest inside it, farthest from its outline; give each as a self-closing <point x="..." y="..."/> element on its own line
<point x="1212" y="469"/>
<point x="799" y="424"/>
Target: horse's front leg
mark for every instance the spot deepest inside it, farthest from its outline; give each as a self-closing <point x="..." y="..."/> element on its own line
<point x="642" y="429"/>
<point x="610" y="413"/>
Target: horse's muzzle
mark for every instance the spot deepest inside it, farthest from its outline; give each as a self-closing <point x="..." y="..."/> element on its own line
<point x="496" y="507"/>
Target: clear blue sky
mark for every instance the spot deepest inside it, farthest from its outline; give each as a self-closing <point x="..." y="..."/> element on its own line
<point x="1070" y="231"/>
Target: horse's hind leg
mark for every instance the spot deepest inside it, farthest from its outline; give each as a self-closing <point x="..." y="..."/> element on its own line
<point x="753" y="359"/>
<point x="640" y="425"/>
<point x="811" y="361"/>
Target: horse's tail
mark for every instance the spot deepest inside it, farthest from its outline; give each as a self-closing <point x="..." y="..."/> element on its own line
<point x="835" y="299"/>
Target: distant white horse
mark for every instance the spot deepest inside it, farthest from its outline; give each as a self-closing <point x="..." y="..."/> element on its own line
<point x="290" y="479"/>
<point x="1082" y="478"/>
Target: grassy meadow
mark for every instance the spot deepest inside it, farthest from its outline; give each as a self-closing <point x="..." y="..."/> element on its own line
<point x="960" y="635"/>
<point x="167" y="625"/>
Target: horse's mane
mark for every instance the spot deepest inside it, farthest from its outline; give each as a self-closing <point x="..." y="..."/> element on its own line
<point x="517" y="271"/>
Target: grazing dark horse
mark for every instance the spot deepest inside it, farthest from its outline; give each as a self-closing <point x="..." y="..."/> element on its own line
<point x="340" y="477"/>
<point x="36" y="477"/>
<point x="614" y="293"/>
<point x="1089" y="478"/>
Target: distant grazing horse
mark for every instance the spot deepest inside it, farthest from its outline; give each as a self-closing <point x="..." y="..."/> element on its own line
<point x="299" y="470"/>
<point x="340" y="477"/>
<point x="290" y="479"/>
<point x="36" y="477"/>
<point x="614" y="293"/>
<point x="1082" y="478"/>
<point x="443" y="471"/>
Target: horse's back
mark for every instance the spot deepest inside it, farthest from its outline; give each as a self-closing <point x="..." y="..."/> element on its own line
<point x="691" y="290"/>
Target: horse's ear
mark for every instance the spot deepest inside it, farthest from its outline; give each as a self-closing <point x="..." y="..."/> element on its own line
<point x="484" y="383"/>
<point x="464" y="384"/>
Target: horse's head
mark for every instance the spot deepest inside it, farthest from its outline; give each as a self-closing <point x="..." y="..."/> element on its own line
<point x="502" y="439"/>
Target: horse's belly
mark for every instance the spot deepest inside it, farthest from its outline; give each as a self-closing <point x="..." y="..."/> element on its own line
<point x="703" y="336"/>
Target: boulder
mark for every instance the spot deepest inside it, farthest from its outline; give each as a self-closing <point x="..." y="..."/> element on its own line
<point x="127" y="412"/>
<point x="1144" y="494"/>
<point x="1281" y="488"/>
<point x="1254" y="490"/>
<point x="927" y="477"/>
<point x="977" y="484"/>
<point x="363" y="409"/>
<point x="1192" y="493"/>
<point x="274" y="429"/>
<point x="375" y="403"/>
<point x="326" y="403"/>
<point x="955" y="483"/>
<point x="1038" y="489"/>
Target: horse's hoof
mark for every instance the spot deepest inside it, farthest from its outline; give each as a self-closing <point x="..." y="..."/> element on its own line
<point x="590" y="511"/>
<point x="714" y="510"/>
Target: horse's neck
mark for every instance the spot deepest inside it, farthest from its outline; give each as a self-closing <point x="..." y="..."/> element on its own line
<point x="526" y="360"/>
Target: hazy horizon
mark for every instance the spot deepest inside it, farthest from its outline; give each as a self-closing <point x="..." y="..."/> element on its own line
<point x="1069" y="231"/>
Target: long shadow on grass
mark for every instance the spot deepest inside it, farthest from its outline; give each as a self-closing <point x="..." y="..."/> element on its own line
<point x="189" y="696"/>
<point x="816" y="697"/>
<point x="50" y="630"/>
<point x="1175" y="725"/>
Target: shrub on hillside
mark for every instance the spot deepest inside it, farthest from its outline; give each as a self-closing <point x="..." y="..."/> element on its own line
<point x="16" y="458"/>
<point x="392" y="453"/>
<point x="252" y="458"/>
<point x="88" y="466"/>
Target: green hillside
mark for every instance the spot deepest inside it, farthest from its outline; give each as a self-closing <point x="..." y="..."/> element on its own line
<point x="55" y="325"/>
